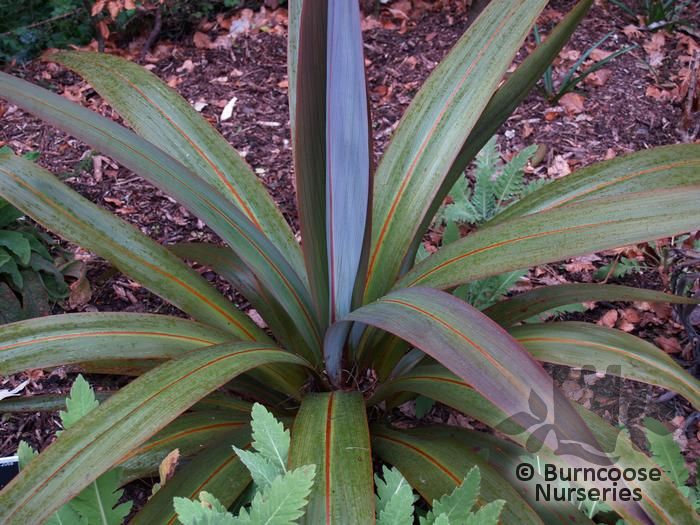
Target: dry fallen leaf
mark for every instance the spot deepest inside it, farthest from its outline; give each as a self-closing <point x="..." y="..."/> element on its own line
<point x="600" y="54"/>
<point x="670" y="345"/>
<point x="598" y="78"/>
<point x="654" y="48"/>
<point x="186" y="67"/>
<point x="609" y="319"/>
<point x="202" y="41"/>
<point x="166" y="469"/>
<point x="572" y="103"/>
<point x="559" y="167"/>
<point x="228" y="109"/>
<point x="4" y="393"/>
<point x="632" y="31"/>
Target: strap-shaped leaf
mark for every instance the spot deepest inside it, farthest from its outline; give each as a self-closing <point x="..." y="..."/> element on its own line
<point x="476" y="349"/>
<point x="161" y="116"/>
<point x="434" y="129"/>
<point x="553" y="235"/>
<point x="46" y="342"/>
<point x="348" y="147"/>
<point x="216" y="470"/>
<point x="434" y="463"/>
<point x="229" y="266"/>
<point x="142" y="157"/>
<point x="99" y="441"/>
<point x="293" y="25"/>
<point x="583" y="344"/>
<point x="505" y="100"/>
<point x="330" y="431"/>
<point x="310" y="147"/>
<point x="190" y="434"/>
<point x="62" y="210"/>
<point x="654" y="169"/>
<point x="533" y="302"/>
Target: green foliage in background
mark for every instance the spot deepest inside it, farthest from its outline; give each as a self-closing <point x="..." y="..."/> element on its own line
<point x="29" y="278"/>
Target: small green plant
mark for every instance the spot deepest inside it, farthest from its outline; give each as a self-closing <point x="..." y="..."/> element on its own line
<point x="620" y="267"/>
<point x="495" y="187"/>
<point x="98" y="503"/>
<point x="29" y="278"/>
<point x="395" y="502"/>
<point x="576" y="73"/>
<point x="656" y="14"/>
<point x="667" y="453"/>
<point x="28" y="27"/>
<point x="281" y="495"/>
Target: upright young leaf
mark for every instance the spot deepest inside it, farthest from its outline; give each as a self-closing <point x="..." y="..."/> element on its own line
<point x="348" y="153"/>
<point x="310" y="148"/>
<point x="484" y="198"/>
<point x="293" y="26"/>
<point x="98" y="502"/>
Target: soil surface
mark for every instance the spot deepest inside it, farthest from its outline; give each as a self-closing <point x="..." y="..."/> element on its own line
<point x="632" y="106"/>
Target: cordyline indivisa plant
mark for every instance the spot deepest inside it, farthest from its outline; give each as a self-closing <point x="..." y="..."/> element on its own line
<point x="355" y="327"/>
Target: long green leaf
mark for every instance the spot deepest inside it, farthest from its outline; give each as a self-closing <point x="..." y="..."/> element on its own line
<point x="434" y="129"/>
<point x="508" y="97"/>
<point x="229" y="266"/>
<point x="161" y="116"/>
<point x="310" y="147"/>
<point x="476" y="349"/>
<point x="293" y="25"/>
<point x="553" y="235"/>
<point x="57" y="340"/>
<point x="583" y="344"/>
<point x="139" y="155"/>
<point x="434" y="463"/>
<point x="349" y="154"/>
<point x="330" y="431"/>
<point x="99" y="441"/>
<point x="654" y="169"/>
<point x="523" y="306"/>
<point x="60" y="209"/>
<point x="216" y="470"/>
